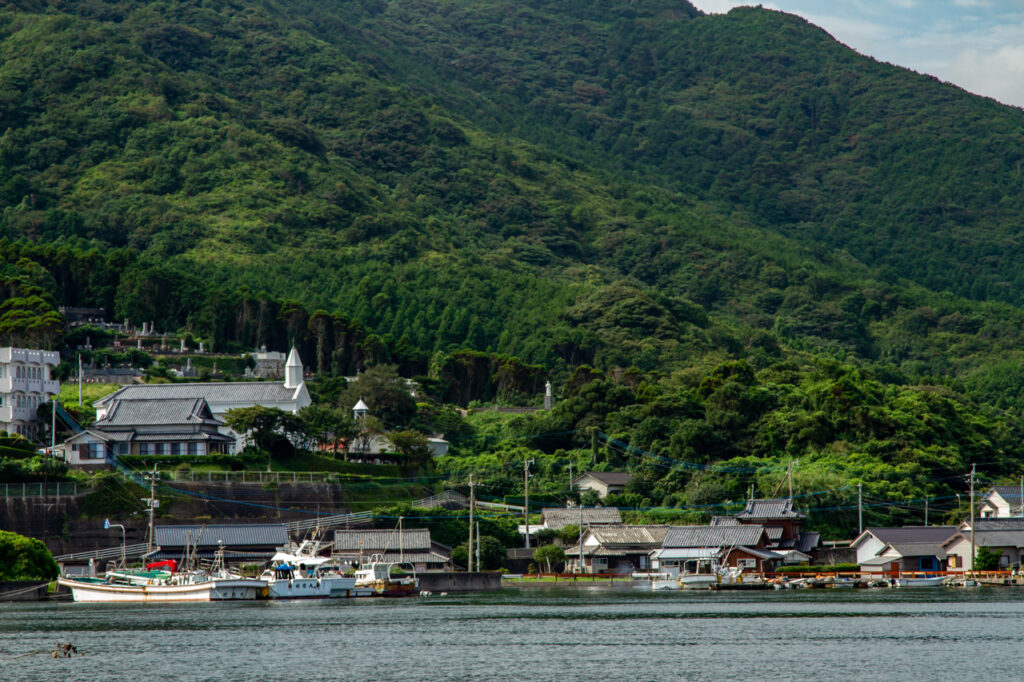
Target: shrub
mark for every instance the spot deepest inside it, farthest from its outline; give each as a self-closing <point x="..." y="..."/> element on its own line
<point x="23" y="558"/>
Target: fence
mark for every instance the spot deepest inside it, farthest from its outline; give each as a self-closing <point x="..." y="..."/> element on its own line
<point x="130" y="551"/>
<point x="58" y="489"/>
<point x="306" y="525"/>
<point x="263" y="477"/>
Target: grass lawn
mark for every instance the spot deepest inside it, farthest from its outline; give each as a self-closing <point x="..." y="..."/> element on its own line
<point x="90" y="392"/>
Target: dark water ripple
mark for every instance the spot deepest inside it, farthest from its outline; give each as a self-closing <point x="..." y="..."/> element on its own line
<point x="530" y="633"/>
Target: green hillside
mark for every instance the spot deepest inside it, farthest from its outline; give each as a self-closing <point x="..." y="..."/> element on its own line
<point x="767" y="245"/>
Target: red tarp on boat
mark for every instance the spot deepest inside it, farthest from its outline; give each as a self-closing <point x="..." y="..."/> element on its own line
<point x="171" y="565"/>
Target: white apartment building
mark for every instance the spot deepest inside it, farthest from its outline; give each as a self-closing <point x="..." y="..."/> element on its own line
<point x="25" y="383"/>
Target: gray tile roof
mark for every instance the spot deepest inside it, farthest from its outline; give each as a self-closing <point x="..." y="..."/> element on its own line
<point x="1010" y="537"/>
<point x="713" y="536"/>
<point x="559" y="518"/>
<point x="911" y="549"/>
<point x="231" y="535"/>
<point x="1010" y="493"/>
<point x="412" y="557"/>
<point x="173" y="412"/>
<point x="629" y="535"/>
<point x="913" y="534"/>
<point x="775" y="509"/>
<point x="254" y="392"/>
<point x="175" y="437"/>
<point x="610" y="477"/>
<point x="808" y="541"/>
<point x="411" y="540"/>
<point x="1013" y="523"/>
<point x="724" y="521"/>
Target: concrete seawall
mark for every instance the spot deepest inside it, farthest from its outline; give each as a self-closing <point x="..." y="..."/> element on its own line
<point x="22" y="590"/>
<point x="459" y="582"/>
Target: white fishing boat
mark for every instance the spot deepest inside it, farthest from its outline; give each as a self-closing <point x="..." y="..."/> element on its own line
<point x="300" y="572"/>
<point x="156" y="584"/>
<point x="701" y="574"/>
<point x="667" y="580"/>
<point x="285" y="581"/>
<point x="387" y="579"/>
<point x="929" y="581"/>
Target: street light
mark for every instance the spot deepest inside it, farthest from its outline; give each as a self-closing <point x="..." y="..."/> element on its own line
<point x="107" y="525"/>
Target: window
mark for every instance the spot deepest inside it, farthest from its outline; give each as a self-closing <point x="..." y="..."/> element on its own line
<point x="746" y="563"/>
<point x="163" y="448"/>
<point x="177" y="448"/>
<point x="97" y="451"/>
<point x="196" y="449"/>
<point x="147" y="449"/>
<point x="122" y="448"/>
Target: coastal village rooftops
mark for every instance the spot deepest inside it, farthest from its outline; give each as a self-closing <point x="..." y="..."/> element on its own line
<point x="770" y="510"/>
<point x="714" y="536"/>
<point x="558" y="518"/>
<point x="180" y="411"/>
<point x="724" y="521"/>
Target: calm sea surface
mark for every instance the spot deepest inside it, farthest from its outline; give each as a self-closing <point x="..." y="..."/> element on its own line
<point x="534" y="633"/>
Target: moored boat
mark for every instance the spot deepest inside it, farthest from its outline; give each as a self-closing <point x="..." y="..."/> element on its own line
<point x="161" y="582"/>
<point x="387" y="579"/>
<point x="161" y="586"/>
<point x="930" y="581"/>
<point x="322" y="582"/>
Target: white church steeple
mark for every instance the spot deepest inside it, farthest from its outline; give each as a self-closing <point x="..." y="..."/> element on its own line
<point x="293" y="370"/>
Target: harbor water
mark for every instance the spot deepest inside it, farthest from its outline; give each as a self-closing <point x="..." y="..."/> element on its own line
<point x="532" y="633"/>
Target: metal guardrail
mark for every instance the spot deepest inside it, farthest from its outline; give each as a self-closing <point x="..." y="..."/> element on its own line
<point x="439" y="500"/>
<point x="57" y="489"/>
<point x="256" y="477"/>
<point x="263" y="477"/>
<point x="357" y="519"/>
<point x="498" y="505"/>
<point x="105" y="553"/>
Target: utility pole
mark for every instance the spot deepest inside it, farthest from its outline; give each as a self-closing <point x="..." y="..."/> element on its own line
<point x="593" y="444"/>
<point x="973" y="550"/>
<point x="152" y="508"/>
<point x="926" y="512"/>
<point x="526" y="500"/>
<point x="79" y="379"/>
<point x="471" y="502"/>
<point x="46" y="466"/>
<point x="570" y="479"/>
<point x="791" y="480"/>
<point x="580" y="543"/>
<point x="1021" y="496"/>
<point x="477" y="545"/>
<point x="860" y="508"/>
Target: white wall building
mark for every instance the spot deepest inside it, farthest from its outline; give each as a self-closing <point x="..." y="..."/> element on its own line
<point x="26" y="382"/>
<point x="290" y="395"/>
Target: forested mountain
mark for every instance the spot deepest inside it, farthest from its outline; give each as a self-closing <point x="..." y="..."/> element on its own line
<point x="606" y="183"/>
